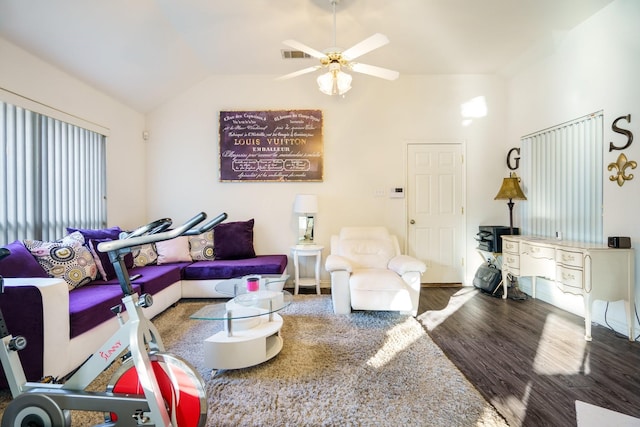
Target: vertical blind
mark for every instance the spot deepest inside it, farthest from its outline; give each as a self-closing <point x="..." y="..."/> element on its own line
<point x="52" y="176"/>
<point x="562" y="175"/>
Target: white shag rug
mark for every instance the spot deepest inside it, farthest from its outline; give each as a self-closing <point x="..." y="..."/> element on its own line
<point x="363" y="369"/>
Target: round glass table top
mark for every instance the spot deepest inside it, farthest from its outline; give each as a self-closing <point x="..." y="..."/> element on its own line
<point x="246" y="305"/>
<point x="238" y="285"/>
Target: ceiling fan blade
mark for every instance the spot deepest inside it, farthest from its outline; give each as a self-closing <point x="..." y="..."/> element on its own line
<point x="304" y="48"/>
<point x="367" y="45"/>
<point x="299" y="72"/>
<point x="372" y="70"/>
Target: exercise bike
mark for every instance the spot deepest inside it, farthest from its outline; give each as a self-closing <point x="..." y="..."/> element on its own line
<point x="150" y="388"/>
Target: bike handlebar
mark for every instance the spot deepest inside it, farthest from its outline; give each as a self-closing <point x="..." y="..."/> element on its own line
<point x="207" y="226"/>
<point x="184" y="229"/>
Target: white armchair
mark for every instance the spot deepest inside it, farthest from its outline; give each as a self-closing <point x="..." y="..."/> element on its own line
<point x="368" y="272"/>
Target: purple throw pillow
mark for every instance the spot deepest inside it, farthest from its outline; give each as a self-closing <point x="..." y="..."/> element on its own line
<point x="20" y="263"/>
<point x="112" y="233"/>
<point x="105" y="267"/>
<point x="234" y="240"/>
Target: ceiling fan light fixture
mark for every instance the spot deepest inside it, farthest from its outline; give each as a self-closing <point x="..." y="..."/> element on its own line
<point x="334" y="82"/>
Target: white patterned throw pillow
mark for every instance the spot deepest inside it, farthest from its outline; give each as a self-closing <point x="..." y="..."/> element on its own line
<point x="67" y="259"/>
<point x="201" y="247"/>
<point x="144" y="255"/>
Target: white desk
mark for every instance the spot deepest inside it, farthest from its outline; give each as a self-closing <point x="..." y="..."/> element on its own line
<point x="299" y="251"/>
<point x="594" y="271"/>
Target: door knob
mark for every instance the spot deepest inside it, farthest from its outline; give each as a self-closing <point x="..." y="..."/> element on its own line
<point x="412" y="222"/>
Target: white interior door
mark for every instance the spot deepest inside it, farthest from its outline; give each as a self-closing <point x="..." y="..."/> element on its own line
<point x="435" y="208"/>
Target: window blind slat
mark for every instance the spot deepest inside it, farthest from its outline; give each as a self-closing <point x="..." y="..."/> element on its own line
<point x="47" y="176"/>
<point x="562" y="171"/>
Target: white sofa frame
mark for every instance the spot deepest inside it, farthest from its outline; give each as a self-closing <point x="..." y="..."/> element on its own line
<point x="63" y="354"/>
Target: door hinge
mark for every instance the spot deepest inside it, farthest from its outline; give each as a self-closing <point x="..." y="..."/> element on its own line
<point x="462" y="262"/>
<point x="462" y="210"/>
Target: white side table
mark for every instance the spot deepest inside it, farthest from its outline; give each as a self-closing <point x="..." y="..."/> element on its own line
<point x="307" y="251"/>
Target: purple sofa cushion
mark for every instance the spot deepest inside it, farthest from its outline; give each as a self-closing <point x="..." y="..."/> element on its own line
<point x="155" y="278"/>
<point x="226" y="269"/>
<point x="112" y="233"/>
<point x="234" y="240"/>
<point x="20" y="263"/>
<point x="91" y="305"/>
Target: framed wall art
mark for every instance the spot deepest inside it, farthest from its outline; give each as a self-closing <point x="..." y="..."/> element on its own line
<point x="278" y="146"/>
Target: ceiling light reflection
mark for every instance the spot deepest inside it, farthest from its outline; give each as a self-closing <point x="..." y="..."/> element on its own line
<point x="475" y="108"/>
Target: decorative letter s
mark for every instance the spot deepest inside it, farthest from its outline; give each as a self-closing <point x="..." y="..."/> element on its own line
<point x="616" y="129"/>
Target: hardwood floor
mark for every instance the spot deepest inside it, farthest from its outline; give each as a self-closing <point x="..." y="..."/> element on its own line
<point x="529" y="358"/>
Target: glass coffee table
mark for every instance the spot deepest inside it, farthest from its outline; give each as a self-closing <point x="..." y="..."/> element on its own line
<point x="238" y="285"/>
<point x="251" y="332"/>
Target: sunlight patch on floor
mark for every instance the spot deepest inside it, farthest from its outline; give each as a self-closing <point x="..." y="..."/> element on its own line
<point x="575" y="358"/>
<point x="398" y="339"/>
<point x="515" y="404"/>
<point x="432" y="318"/>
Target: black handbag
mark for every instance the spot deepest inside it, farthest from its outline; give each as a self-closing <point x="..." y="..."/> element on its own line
<point x="488" y="279"/>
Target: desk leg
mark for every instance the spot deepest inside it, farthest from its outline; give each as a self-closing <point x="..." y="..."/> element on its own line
<point x="630" y="320"/>
<point x="630" y="302"/>
<point x="505" y="285"/>
<point x="587" y="316"/>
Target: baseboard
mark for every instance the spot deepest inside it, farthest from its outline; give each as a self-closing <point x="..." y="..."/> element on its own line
<point x="440" y="285"/>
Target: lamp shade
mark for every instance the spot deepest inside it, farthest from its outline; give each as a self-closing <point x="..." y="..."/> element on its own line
<point x="510" y="189"/>
<point x="334" y="82"/>
<point x="306" y="204"/>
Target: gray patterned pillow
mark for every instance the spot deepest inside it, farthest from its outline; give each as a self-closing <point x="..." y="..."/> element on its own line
<point x="201" y="247"/>
<point x="67" y="259"/>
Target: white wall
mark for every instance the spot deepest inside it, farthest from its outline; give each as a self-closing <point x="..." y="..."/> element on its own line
<point x="365" y="136"/>
<point x="30" y="77"/>
<point x="595" y="67"/>
<point x="175" y="173"/>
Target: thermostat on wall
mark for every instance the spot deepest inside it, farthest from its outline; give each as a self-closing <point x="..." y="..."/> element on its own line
<point x="396" y="193"/>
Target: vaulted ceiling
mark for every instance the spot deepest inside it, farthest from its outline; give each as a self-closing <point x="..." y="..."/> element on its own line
<point x="143" y="52"/>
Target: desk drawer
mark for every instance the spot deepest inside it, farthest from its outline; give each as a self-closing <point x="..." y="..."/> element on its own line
<point x="509" y="246"/>
<point x="513" y="261"/>
<point x="569" y="258"/>
<point x="515" y="271"/>
<point x="540" y="252"/>
<point x="569" y="277"/>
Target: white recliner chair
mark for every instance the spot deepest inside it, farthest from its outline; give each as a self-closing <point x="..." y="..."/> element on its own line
<point x="368" y="272"/>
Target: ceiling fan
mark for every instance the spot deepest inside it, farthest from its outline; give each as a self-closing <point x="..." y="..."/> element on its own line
<point x="336" y="81"/>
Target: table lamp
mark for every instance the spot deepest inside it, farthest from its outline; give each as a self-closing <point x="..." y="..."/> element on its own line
<point x="510" y="190"/>
<point x="306" y="205"/>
